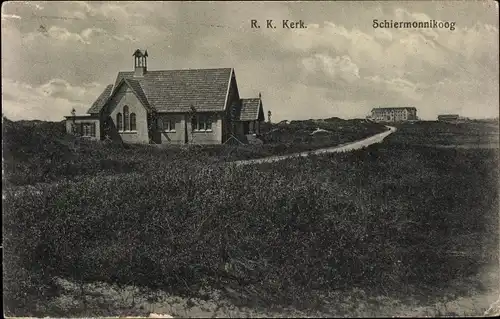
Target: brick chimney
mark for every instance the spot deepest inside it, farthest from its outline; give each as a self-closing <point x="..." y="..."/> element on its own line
<point x="140" y="63"/>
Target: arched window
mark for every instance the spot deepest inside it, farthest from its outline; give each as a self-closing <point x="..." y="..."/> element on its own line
<point x="133" y="126"/>
<point x="119" y="122"/>
<point x="126" y="119"/>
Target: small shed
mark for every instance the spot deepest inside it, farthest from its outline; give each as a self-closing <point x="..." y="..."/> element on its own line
<point x="249" y="114"/>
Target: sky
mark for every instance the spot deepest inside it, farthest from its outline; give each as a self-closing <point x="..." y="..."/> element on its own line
<point x="60" y="55"/>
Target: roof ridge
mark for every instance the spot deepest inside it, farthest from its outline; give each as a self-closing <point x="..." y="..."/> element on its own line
<point x="189" y="69"/>
<point x="140" y="95"/>
<point x="175" y="90"/>
<point x="395" y="107"/>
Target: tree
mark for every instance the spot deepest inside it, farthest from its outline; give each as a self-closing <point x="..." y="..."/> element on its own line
<point x="73" y="125"/>
<point x="152" y="120"/>
<point x="192" y="116"/>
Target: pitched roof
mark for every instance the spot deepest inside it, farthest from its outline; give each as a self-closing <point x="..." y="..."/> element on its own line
<point x="178" y="90"/>
<point x="135" y="86"/>
<point x="448" y="115"/>
<point x="247" y="109"/>
<point x="101" y="100"/>
<point x="393" y="108"/>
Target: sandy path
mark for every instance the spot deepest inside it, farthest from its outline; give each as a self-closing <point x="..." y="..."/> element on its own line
<point x="335" y="149"/>
<point x="130" y="301"/>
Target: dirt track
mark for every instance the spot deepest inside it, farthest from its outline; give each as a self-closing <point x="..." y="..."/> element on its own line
<point x="335" y="149"/>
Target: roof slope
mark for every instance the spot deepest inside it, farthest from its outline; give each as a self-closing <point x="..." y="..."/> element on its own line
<point x="178" y="90"/>
<point x="393" y="108"/>
<point x="137" y="89"/>
<point x="247" y="110"/>
<point x="101" y="100"/>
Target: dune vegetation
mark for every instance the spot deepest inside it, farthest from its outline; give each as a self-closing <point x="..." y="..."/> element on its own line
<point x="393" y="219"/>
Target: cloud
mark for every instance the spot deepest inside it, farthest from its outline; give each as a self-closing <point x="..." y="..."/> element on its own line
<point x="50" y="101"/>
<point x="86" y="36"/>
<point x="124" y="37"/>
<point x="119" y="12"/>
<point x="10" y="16"/>
<point x="316" y="103"/>
<point x="339" y="66"/>
<point x="113" y="11"/>
<point x="64" y="35"/>
<point x="402" y="86"/>
<point x="30" y="4"/>
<point x="33" y="4"/>
<point x="59" y="88"/>
<point x="91" y="34"/>
<point x="74" y="14"/>
<point x="92" y="31"/>
<point x="383" y="34"/>
<point x="60" y="34"/>
<point x="85" y="5"/>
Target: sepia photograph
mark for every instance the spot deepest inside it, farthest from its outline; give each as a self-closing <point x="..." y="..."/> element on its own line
<point x="241" y="159"/>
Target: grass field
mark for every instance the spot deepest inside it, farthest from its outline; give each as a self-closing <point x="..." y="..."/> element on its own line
<point x="472" y="134"/>
<point x="366" y="227"/>
<point x="41" y="152"/>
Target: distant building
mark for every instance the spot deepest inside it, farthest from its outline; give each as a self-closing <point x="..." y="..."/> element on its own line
<point x="393" y="114"/>
<point x="448" y="117"/>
